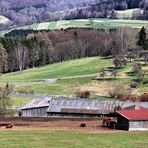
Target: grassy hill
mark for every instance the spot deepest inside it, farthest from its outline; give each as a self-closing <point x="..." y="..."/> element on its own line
<point x="85" y="23"/>
<point x="72" y="75"/>
<point x="85" y="66"/>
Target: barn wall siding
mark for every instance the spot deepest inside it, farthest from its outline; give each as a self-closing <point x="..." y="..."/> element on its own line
<point x="138" y="125"/>
<point x="35" y="112"/>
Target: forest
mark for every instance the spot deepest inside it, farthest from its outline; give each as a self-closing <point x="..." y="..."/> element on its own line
<point x="22" y="49"/>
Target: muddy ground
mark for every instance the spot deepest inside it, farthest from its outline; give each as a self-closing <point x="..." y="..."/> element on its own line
<point x="92" y="125"/>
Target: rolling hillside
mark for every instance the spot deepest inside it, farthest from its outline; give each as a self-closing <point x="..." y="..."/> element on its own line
<point x="84" y="23"/>
<point x="71" y="75"/>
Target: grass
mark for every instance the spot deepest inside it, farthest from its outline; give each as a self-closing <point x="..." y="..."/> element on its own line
<point x="20" y="101"/>
<point x="74" y="75"/>
<point x="80" y="67"/>
<point x="86" y="23"/>
<point x="71" y="139"/>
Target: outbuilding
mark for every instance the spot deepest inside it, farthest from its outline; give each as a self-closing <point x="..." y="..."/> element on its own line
<point x="132" y="120"/>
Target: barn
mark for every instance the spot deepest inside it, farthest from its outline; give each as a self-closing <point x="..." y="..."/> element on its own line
<point x="132" y="120"/>
<point x="68" y="107"/>
<point x="78" y="107"/>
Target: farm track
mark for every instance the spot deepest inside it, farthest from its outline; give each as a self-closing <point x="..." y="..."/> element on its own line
<point x="93" y="125"/>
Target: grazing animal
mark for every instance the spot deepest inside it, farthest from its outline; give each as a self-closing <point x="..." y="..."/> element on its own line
<point x="82" y="125"/>
<point x="108" y="122"/>
<point x="9" y="126"/>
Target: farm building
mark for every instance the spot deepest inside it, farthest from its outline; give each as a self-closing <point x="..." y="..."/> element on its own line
<point x="74" y="107"/>
<point x="132" y="119"/>
<point x="135" y="105"/>
<point x="68" y="107"/>
<point x="36" y="108"/>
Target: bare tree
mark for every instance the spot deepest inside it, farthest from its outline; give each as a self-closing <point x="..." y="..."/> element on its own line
<point x="114" y="73"/>
<point x="5" y="102"/>
<point x="21" y="55"/>
<point x="102" y="73"/>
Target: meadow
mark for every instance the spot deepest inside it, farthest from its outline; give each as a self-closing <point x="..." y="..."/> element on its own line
<point x="85" y="23"/>
<point x="71" y="139"/>
<point x="71" y="76"/>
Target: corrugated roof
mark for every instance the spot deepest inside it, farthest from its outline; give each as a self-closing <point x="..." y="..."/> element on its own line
<point x="134" y="107"/>
<point x="134" y="114"/>
<point x="36" y="103"/>
<point x="80" y="105"/>
<point x="142" y="104"/>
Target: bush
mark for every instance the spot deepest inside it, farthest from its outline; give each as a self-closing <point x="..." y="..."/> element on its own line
<point x="134" y="85"/>
<point x="120" y="91"/>
<point x="83" y="94"/>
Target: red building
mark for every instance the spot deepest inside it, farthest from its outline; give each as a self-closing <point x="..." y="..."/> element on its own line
<point x="132" y="119"/>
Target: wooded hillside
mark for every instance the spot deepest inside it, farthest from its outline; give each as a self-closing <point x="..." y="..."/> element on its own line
<point x="29" y="11"/>
<point x="22" y="49"/>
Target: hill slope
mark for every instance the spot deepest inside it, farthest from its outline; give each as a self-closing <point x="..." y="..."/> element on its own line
<point x="72" y="75"/>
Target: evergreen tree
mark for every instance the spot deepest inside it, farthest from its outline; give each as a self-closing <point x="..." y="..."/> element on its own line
<point x="142" y="38"/>
<point x="3" y="59"/>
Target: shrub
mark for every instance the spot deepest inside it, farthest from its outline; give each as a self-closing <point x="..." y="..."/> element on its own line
<point x="83" y="94"/>
<point x="134" y="85"/>
<point x="120" y="91"/>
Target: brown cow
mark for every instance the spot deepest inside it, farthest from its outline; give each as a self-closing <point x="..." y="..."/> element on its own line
<point x="108" y="122"/>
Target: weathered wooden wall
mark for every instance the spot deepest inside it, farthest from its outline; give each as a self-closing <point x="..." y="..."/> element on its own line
<point x="138" y="125"/>
<point x="35" y="112"/>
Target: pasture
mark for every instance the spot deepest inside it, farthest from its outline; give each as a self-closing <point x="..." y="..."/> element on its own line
<point x="85" y="23"/>
<point x="71" y="139"/>
<point x="71" y="76"/>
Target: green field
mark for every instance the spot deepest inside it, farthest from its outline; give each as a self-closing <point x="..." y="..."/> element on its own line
<point x="72" y="75"/>
<point x="71" y="139"/>
<point x="20" y="101"/>
<point x="86" y="23"/>
<point x="80" y="67"/>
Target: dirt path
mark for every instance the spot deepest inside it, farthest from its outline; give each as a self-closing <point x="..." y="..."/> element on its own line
<point x="92" y="125"/>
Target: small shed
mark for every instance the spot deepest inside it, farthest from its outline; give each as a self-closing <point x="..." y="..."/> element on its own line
<point x="132" y="120"/>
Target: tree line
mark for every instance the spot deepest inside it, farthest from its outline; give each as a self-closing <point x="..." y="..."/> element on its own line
<point x="22" y="49"/>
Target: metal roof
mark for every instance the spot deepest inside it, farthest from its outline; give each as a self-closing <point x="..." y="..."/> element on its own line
<point x="75" y="105"/>
<point x="142" y="104"/>
<point x="37" y="103"/>
<point x="134" y="114"/>
<point x="134" y="107"/>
